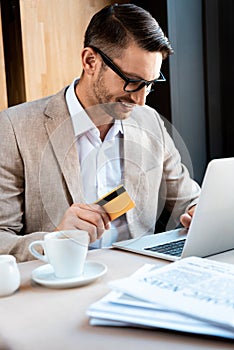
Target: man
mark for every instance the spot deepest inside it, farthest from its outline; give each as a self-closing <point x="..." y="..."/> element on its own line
<point x="58" y="155"/>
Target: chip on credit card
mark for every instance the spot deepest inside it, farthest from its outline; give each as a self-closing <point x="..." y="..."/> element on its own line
<point x="116" y="202"/>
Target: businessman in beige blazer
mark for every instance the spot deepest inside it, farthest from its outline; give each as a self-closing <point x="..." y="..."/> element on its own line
<point x="46" y="180"/>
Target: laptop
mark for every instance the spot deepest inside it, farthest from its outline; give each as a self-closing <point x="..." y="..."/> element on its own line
<point x="212" y="228"/>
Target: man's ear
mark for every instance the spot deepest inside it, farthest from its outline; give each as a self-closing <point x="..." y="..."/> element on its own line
<point x="89" y="60"/>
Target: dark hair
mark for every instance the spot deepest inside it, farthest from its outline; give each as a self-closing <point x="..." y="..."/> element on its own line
<point x="115" y="26"/>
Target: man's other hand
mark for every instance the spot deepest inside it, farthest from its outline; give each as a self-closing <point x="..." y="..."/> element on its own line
<point x="186" y="218"/>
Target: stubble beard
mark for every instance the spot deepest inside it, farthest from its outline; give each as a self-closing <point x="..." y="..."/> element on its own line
<point x="107" y="102"/>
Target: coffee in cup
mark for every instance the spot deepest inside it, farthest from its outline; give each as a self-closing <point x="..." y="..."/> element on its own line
<point x="66" y="251"/>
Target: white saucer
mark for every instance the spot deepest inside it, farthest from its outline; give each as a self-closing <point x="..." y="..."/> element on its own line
<point x="45" y="276"/>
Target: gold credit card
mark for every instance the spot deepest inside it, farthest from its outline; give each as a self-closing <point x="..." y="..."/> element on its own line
<point x="116" y="202"/>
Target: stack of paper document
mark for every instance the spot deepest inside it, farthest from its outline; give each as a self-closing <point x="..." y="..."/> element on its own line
<point x="194" y="295"/>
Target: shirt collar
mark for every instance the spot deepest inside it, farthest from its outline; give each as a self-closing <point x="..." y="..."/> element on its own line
<point x="80" y="119"/>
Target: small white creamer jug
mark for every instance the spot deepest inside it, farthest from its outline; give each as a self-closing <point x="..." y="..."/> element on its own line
<point x="9" y="275"/>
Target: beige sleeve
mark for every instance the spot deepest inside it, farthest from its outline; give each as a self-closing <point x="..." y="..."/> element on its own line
<point x="12" y="196"/>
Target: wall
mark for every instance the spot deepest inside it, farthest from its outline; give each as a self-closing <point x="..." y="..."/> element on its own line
<point x="187" y="83"/>
<point x="3" y="99"/>
<point x="42" y="45"/>
<point x="219" y="29"/>
<point x="181" y="100"/>
<point x="52" y="39"/>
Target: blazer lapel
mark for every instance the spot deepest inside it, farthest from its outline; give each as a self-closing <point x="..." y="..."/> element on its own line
<point x="132" y="165"/>
<point x="59" y="128"/>
<point x="139" y="163"/>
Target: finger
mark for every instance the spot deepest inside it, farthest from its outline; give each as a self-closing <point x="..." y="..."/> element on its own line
<point x="185" y="220"/>
<point x="100" y="210"/>
<point x="88" y="227"/>
<point x="89" y="217"/>
<point x="94" y="216"/>
<point x="191" y="210"/>
<point x="72" y="222"/>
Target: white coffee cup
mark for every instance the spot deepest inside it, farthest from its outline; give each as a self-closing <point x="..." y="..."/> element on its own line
<point x="66" y="251"/>
<point x="9" y="275"/>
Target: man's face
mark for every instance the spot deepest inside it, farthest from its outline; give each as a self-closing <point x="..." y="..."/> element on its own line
<point x="108" y="87"/>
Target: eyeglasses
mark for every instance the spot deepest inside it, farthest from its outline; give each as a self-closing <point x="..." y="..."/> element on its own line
<point x="131" y="85"/>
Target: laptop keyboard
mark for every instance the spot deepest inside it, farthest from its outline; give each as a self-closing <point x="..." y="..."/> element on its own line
<point x="172" y="248"/>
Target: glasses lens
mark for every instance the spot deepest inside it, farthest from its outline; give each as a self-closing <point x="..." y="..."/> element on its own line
<point x="134" y="86"/>
<point x="161" y="78"/>
<point x="138" y="85"/>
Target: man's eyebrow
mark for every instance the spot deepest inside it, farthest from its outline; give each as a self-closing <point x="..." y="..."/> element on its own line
<point x="130" y="74"/>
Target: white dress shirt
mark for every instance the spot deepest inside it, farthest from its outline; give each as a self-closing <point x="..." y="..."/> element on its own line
<point x="100" y="161"/>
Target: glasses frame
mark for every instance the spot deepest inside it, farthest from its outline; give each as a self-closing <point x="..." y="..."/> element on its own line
<point x="148" y="83"/>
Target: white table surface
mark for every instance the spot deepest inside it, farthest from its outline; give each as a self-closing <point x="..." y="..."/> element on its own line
<point x="39" y="318"/>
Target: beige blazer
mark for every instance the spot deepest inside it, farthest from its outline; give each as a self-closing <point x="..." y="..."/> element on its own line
<point x="40" y="172"/>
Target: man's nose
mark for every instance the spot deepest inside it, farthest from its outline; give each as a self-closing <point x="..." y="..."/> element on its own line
<point x="139" y="97"/>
